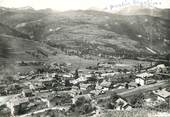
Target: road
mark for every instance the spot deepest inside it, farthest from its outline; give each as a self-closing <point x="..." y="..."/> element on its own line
<point x="165" y="74"/>
<point x="143" y="89"/>
<point x="126" y="92"/>
<point x="43" y="110"/>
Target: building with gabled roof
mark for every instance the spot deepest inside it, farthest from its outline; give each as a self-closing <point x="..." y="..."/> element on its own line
<point x="17" y="105"/>
<point x="122" y="104"/>
<point x="162" y="95"/>
<point x="142" y="78"/>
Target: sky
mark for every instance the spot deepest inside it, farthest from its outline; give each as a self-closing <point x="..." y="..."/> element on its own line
<point x="63" y="5"/>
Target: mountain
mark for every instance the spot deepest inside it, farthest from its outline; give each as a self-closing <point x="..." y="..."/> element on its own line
<point x="101" y="31"/>
<point x="136" y="10"/>
<point x="17" y="46"/>
<point x="14" y="16"/>
<point x="83" y="32"/>
<point x="6" y="30"/>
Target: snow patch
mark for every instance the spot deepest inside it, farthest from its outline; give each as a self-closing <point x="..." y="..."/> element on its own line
<point x="139" y="36"/>
<point x="150" y="50"/>
<point x="146" y="20"/>
<point x="21" y="25"/>
<point x="116" y="23"/>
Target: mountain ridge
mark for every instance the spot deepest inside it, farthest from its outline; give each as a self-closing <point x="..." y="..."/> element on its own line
<point x="89" y="32"/>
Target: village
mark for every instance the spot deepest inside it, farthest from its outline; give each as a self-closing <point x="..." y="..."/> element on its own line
<point x="106" y="86"/>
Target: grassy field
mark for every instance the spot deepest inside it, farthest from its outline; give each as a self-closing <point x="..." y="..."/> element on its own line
<point x="76" y="61"/>
<point x="133" y="113"/>
<point x="110" y="113"/>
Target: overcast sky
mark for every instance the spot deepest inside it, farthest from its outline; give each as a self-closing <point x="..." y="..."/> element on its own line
<point x="62" y="5"/>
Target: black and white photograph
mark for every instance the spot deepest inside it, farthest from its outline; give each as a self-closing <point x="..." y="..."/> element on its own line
<point x="84" y="58"/>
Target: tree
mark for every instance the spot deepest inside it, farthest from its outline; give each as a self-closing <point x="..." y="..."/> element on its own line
<point x="127" y="86"/>
<point x="137" y="100"/>
<point x="86" y="108"/>
<point x="82" y="106"/>
<point x="140" y="66"/>
<point x="114" y="97"/>
<point x="67" y="83"/>
<point x="93" y="78"/>
<point x="160" y="88"/>
<point x="112" y="101"/>
<point x="168" y="84"/>
<point x="119" y="70"/>
<point x="168" y="57"/>
<point x="125" y="71"/>
<point x="76" y="74"/>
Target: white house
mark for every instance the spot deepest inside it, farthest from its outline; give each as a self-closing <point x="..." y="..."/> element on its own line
<point x="161" y="68"/>
<point x="132" y="85"/>
<point x="84" y="86"/>
<point x="79" y="80"/>
<point x="105" y="84"/>
<point x="142" y="78"/>
<point x="162" y="95"/>
<point x="119" y="85"/>
<point x="122" y="104"/>
<point x="108" y="74"/>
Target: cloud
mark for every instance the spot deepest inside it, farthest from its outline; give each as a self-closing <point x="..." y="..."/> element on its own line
<point x="63" y="5"/>
<point x="54" y="4"/>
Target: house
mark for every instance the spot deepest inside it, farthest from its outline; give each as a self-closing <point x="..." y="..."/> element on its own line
<point x="98" y="86"/>
<point x="162" y="95"/>
<point x="37" y="104"/>
<point x="79" y="80"/>
<point x="53" y="75"/>
<point x="150" y="99"/>
<point x="108" y="74"/>
<point x="95" y="92"/>
<point x="119" y="103"/>
<point x="13" y="89"/>
<point x="61" y="99"/>
<point x="161" y="68"/>
<point x="4" y="111"/>
<point x="46" y="101"/>
<point x="31" y="87"/>
<point x="105" y="84"/>
<point x="142" y="78"/>
<point x="84" y="86"/>
<point x="122" y="104"/>
<point x="88" y="75"/>
<point x="47" y="81"/>
<point x="17" y="105"/>
<point x="2" y="89"/>
<point x="119" y="85"/>
<point x="74" y="91"/>
<point x="67" y="76"/>
<point x="132" y="85"/>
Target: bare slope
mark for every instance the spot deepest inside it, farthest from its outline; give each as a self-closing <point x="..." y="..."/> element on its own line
<point x="102" y="30"/>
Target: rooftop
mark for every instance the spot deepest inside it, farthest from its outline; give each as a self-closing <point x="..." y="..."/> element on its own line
<point x="144" y="75"/>
<point x="17" y="100"/>
<point x="163" y="93"/>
